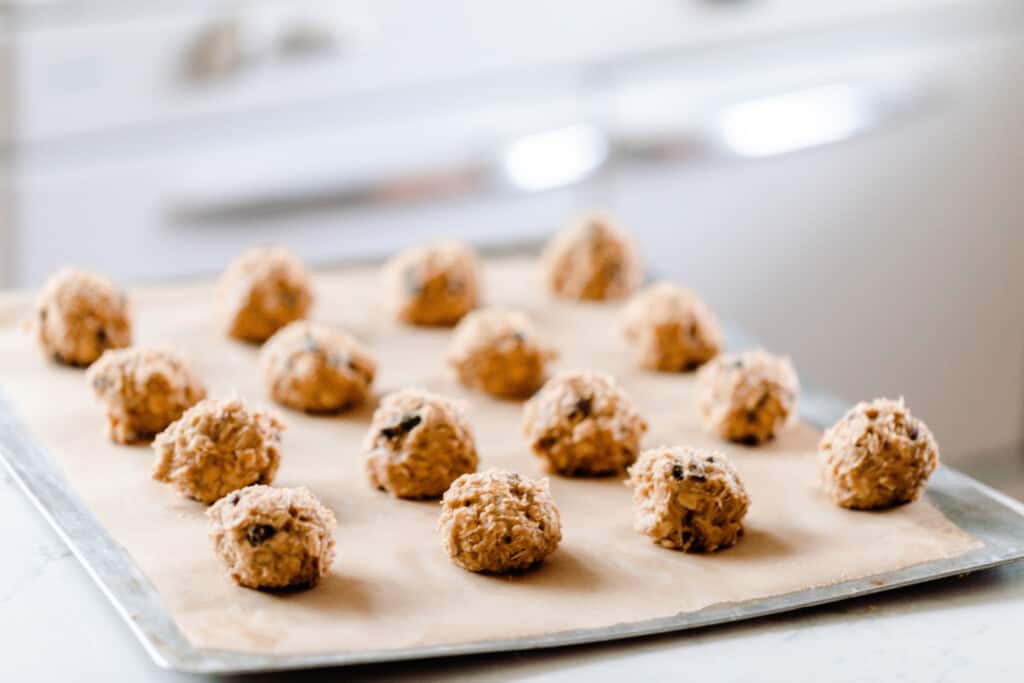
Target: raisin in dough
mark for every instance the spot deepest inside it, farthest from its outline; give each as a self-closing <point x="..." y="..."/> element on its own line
<point x="144" y="390"/>
<point x="311" y="367"/>
<point x="499" y="522"/>
<point x="670" y="328"/>
<point x="747" y="397"/>
<point x="273" y="538"/>
<point x="265" y="289"/>
<point x="688" y="499"/>
<point x="79" y="315"/>
<point x="592" y="259"/>
<point x="434" y="285"/>
<point x="500" y="352"/>
<point x="418" y="444"/>
<point x="217" y="447"/>
<point x="877" y="456"/>
<point x="583" y="423"/>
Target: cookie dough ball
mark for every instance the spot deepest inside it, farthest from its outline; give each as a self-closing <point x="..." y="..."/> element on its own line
<point x="311" y="367"/>
<point x="877" y="456"/>
<point x="418" y="444"/>
<point x="592" y="259"/>
<point x="434" y="285"/>
<point x="217" y="447"/>
<point x="265" y="289"/>
<point x="747" y="397"/>
<point x="273" y="538"/>
<point x="671" y="329"/>
<point x="79" y="315"/>
<point x="144" y="390"/>
<point x="583" y="423"/>
<point x="499" y="522"/>
<point x="688" y="499"/>
<point x="500" y="352"/>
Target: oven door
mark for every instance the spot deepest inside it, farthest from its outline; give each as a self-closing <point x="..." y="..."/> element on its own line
<point x="858" y="209"/>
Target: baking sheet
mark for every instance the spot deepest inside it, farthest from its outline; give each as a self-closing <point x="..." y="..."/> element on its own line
<point x="392" y="593"/>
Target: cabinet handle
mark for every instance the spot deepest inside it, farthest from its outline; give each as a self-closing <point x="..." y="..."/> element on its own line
<point x="536" y="162"/>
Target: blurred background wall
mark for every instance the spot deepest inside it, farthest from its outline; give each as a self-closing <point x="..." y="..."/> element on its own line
<point x="842" y="178"/>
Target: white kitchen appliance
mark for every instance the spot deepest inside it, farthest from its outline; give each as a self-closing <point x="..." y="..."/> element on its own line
<point x="840" y="176"/>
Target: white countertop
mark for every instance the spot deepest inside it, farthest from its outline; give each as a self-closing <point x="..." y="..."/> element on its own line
<point x="55" y="625"/>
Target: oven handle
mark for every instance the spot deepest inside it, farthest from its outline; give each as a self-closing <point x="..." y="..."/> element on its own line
<point x="563" y="157"/>
<point x="537" y="162"/>
<point x="782" y="123"/>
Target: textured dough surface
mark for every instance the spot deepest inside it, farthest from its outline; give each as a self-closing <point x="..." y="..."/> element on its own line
<point x="499" y="522"/>
<point x="418" y="444"/>
<point x="592" y="259"/>
<point x="311" y="367"/>
<point x="79" y="315"/>
<point x="217" y="447"/>
<point x="264" y="289"/>
<point x="670" y="328"/>
<point x="500" y="352"/>
<point x="747" y="397"/>
<point x="434" y="285"/>
<point x="273" y="538"/>
<point x="688" y="499"/>
<point x="878" y="455"/>
<point x="143" y="390"/>
<point x="583" y="423"/>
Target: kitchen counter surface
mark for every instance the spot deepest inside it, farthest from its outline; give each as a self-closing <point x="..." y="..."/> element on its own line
<point x="57" y="626"/>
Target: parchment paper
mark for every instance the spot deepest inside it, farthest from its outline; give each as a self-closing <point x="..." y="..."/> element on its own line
<point x="392" y="586"/>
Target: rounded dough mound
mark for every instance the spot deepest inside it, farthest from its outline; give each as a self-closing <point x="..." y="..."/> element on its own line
<point x="79" y="315"/>
<point x="418" y="444"/>
<point x="747" y="397"/>
<point x="217" y="447"/>
<point x="500" y="352"/>
<point x="265" y="288"/>
<point x="434" y="285"/>
<point x="671" y="329"/>
<point x="499" y="522"/>
<point x="144" y="390"/>
<point x="688" y="499"/>
<point x="273" y="538"/>
<point x="311" y="367"/>
<point x="583" y="423"/>
<point x="592" y="259"/>
<point x="877" y="456"/>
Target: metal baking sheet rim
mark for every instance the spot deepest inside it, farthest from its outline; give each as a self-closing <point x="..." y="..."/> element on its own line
<point x="986" y="514"/>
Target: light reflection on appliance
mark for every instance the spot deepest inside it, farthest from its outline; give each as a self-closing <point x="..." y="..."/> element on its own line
<point x="554" y="158"/>
<point x="798" y="120"/>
